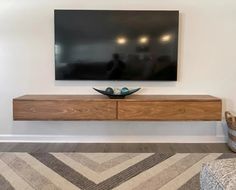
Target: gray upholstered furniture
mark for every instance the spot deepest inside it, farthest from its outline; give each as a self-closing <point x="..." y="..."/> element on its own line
<point x="219" y="175"/>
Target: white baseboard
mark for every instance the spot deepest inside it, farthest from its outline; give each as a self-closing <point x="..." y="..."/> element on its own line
<point x="111" y="139"/>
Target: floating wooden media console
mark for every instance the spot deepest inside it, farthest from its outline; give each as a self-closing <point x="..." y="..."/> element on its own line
<point x="136" y="107"/>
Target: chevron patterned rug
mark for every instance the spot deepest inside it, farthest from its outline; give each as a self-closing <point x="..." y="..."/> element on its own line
<point x="102" y="171"/>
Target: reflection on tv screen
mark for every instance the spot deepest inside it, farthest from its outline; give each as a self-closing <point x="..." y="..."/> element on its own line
<point x="116" y="45"/>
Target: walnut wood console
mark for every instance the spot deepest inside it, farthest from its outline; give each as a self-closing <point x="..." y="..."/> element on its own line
<point x="136" y="107"/>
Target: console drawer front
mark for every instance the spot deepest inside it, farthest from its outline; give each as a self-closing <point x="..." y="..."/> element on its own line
<point x="170" y="111"/>
<point x="64" y="110"/>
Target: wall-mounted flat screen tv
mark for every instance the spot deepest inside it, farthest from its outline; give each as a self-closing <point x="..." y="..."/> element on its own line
<point x="116" y="45"/>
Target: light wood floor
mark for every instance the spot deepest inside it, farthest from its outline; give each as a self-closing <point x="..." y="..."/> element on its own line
<point x="115" y="147"/>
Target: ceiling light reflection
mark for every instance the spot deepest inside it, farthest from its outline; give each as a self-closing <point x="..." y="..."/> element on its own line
<point x="121" y="40"/>
<point x="166" y="38"/>
<point x="143" y="40"/>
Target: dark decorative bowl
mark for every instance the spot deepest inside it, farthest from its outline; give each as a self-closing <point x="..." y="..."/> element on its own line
<point x="117" y="96"/>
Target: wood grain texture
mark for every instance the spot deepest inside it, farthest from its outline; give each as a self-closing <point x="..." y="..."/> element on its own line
<point x="97" y="107"/>
<point x="170" y="111"/>
<point x="64" y="110"/>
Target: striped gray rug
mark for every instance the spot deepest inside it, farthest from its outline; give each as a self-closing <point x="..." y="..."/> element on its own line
<point x="102" y="171"/>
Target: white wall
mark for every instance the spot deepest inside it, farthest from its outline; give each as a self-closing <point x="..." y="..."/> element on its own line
<point x="207" y="65"/>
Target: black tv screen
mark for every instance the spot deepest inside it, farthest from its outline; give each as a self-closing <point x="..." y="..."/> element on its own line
<point x="116" y="45"/>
